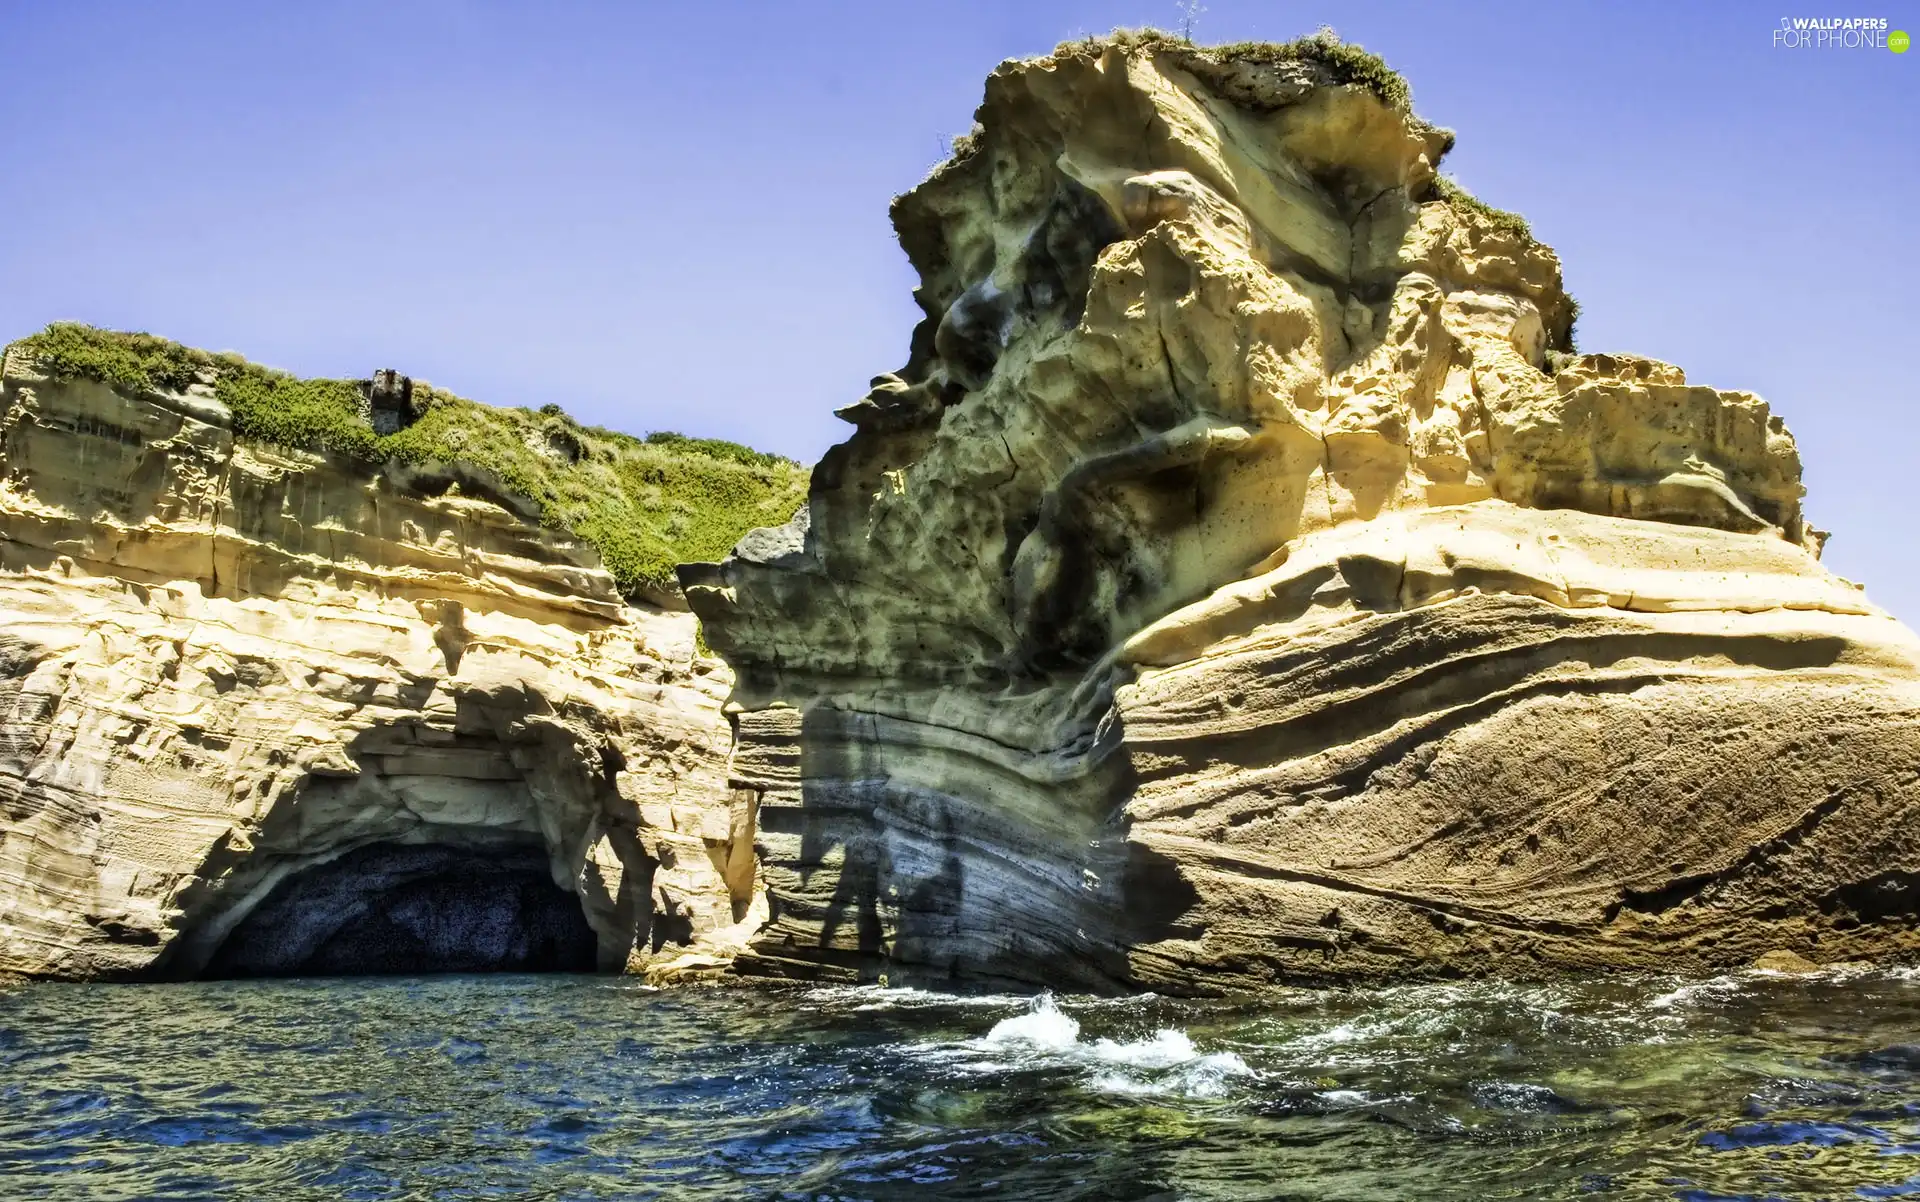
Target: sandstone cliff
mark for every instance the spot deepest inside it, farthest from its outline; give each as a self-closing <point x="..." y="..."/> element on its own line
<point x="275" y="710"/>
<point x="1242" y="581"/>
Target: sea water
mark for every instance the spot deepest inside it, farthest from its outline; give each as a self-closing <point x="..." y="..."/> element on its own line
<point x="566" y="1087"/>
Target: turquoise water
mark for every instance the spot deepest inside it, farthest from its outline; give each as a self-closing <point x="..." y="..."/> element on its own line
<point x="1752" y="1086"/>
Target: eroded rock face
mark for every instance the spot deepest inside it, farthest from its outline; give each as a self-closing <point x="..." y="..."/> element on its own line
<point x="225" y="668"/>
<point x="1227" y="591"/>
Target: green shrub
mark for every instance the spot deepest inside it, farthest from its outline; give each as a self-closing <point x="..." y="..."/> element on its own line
<point x="1344" y="62"/>
<point x="714" y="447"/>
<point x="1463" y="201"/>
<point x="290" y="412"/>
<point x="138" y="362"/>
<point x="1560" y="325"/>
<point x="645" y="504"/>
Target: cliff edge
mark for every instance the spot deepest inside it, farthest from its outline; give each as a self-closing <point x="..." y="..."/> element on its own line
<point x="282" y="692"/>
<point x="1243" y="581"/>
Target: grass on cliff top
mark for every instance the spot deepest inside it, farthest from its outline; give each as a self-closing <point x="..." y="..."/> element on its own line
<point x="1466" y="203"/>
<point x="646" y="504"/>
<point x="1463" y="201"/>
<point x="1344" y="62"/>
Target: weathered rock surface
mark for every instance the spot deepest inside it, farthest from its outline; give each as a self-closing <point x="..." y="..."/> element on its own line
<point x="1240" y="583"/>
<point x="225" y="667"/>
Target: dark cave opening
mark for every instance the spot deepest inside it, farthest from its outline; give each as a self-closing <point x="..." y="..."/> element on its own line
<point x="390" y="908"/>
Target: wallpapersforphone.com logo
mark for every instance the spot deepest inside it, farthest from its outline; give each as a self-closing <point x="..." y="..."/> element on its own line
<point x="1840" y="33"/>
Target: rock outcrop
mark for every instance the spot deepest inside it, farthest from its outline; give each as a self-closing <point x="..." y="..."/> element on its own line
<point x="266" y="710"/>
<point x="1243" y="582"/>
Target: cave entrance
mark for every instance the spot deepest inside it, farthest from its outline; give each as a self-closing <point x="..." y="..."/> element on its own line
<point x="398" y="908"/>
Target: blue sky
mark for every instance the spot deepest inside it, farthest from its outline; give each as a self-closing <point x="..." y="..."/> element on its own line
<point x="674" y="216"/>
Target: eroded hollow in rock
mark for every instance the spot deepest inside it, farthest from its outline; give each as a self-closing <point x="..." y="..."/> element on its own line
<point x="391" y="908"/>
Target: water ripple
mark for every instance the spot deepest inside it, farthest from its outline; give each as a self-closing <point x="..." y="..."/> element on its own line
<point x="1747" y="1086"/>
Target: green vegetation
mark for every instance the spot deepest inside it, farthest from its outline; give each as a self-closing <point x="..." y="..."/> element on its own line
<point x="1463" y="201"/>
<point x="1347" y="62"/>
<point x="1344" y="62"/>
<point x="716" y="448"/>
<point x="140" y="362"/>
<point x="646" y="504"/>
<point x="1560" y="325"/>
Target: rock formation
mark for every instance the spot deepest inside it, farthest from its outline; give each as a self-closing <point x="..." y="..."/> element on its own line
<point x="266" y="710"/>
<point x="1243" y="582"/>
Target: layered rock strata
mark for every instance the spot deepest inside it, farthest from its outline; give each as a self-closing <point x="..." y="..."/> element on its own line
<point x="1243" y="583"/>
<point x="227" y="668"/>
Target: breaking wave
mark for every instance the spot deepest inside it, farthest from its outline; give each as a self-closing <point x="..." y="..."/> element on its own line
<point x="1044" y="1037"/>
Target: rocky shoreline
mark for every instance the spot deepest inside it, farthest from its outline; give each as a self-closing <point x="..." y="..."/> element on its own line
<point x="1243" y="582"/>
<point x="225" y="665"/>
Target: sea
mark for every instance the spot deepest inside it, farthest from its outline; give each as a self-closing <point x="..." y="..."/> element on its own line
<point x="1748" y="1086"/>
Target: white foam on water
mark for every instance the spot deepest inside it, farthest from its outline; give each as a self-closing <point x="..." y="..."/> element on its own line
<point x="1166" y="1063"/>
<point x="1716" y="989"/>
<point x="1334" y="1036"/>
<point x="1210" y="1076"/>
<point x="1346" y="1099"/>
<point x="1167" y="1047"/>
<point x="1042" y="1026"/>
<point x="901" y="997"/>
<point x="1365" y="1043"/>
<point x="1044" y="1036"/>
